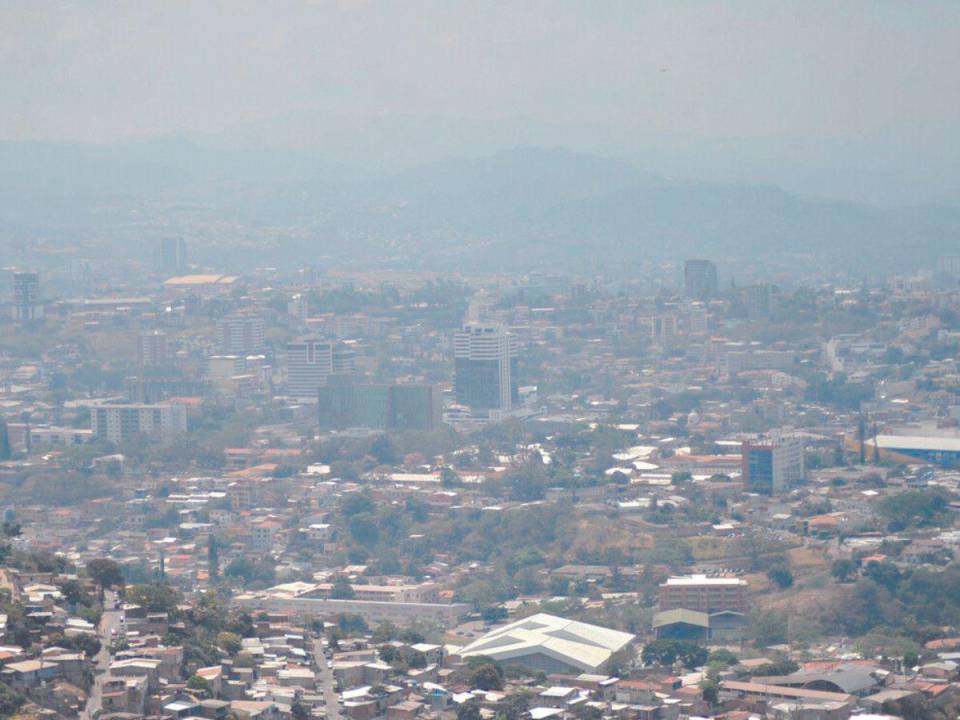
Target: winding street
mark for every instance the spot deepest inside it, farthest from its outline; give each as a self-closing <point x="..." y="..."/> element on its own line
<point x="330" y="697"/>
<point x="111" y="621"/>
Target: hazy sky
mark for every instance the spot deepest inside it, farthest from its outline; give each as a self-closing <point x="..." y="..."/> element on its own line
<point x="846" y="98"/>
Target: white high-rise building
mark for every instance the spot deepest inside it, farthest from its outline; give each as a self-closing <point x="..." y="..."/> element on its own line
<point x="297" y="307"/>
<point x="152" y="348"/>
<point x="241" y="333"/>
<point x="775" y="464"/>
<point x="309" y="364"/>
<point x="485" y="367"/>
<point x="121" y="422"/>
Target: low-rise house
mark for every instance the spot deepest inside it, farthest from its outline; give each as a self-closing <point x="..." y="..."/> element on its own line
<point x="255" y="710"/>
<point x="27" y="673"/>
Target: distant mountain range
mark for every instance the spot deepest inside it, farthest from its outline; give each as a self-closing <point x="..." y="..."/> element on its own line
<point x="517" y="209"/>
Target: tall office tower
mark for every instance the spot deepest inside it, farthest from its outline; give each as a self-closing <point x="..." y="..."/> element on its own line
<point x="121" y="422"/>
<point x="26" y="297"/>
<point x="485" y="367"/>
<point x="309" y="364"/>
<point x="241" y="333"/>
<point x="699" y="279"/>
<point x="773" y="465"/>
<point x="757" y="300"/>
<point x="661" y="328"/>
<point x="947" y="271"/>
<point x="152" y="348"/>
<point x="172" y="255"/>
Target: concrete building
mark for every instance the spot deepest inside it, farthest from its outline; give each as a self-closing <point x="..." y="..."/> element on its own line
<point x="943" y="451"/>
<point x="152" y="348"/>
<point x="297" y="307"/>
<point x="374" y="612"/>
<point x="309" y="364"/>
<point x="121" y="422"/>
<point x="737" y="361"/>
<point x="550" y="643"/>
<point x="241" y="333"/>
<point x="485" y="377"/>
<point x="699" y="279"/>
<point x="26" y="297"/>
<point x="172" y="255"/>
<point x="774" y="465"/>
<point x="947" y="270"/>
<point x="682" y="624"/>
<point x="343" y="404"/>
<point x="704" y="594"/>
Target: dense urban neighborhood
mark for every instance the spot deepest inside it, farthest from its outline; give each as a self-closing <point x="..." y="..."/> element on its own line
<point x="459" y="360"/>
<point x="345" y="495"/>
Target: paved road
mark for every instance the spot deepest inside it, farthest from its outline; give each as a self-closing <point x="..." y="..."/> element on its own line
<point x="111" y="620"/>
<point x="325" y="676"/>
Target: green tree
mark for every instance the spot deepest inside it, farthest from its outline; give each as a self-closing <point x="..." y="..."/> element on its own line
<point x="154" y="597"/>
<point x="383" y="451"/>
<point x="486" y="677"/>
<point x="885" y="574"/>
<point x="485" y="673"/>
<point x="723" y="657"/>
<point x="780" y="667"/>
<point x="514" y="706"/>
<point x="449" y="477"/>
<point x="469" y="710"/>
<point x="912" y="508"/>
<point x="197" y="682"/>
<point x="342" y="589"/>
<point x="213" y="557"/>
<point x="352" y="624"/>
<point x="106" y="573"/>
<point x="86" y="643"/>
<point x="229" y="642"/>
<point x="843" y="569"/>
<point x="527" y="482"/>
<point x="11" y="701"/>
<point x="249" y="570"/>
<point x="364" y="529"/>
<point x="668" y="652"/>
<point x="355" y="503"/>
<point x="74" y="593"/>
<point x="383" y="633"/>
<point x="781" y="576"/>
<point x="769" y="628"/>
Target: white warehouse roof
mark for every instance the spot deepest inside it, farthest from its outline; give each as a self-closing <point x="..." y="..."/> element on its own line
<point x="570" y="642"/>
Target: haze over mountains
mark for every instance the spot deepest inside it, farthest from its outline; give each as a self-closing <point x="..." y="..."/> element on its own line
<point x="516" y="209"/>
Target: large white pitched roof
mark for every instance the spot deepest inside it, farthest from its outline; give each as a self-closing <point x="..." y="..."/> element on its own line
<point x="575" y="643"/>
